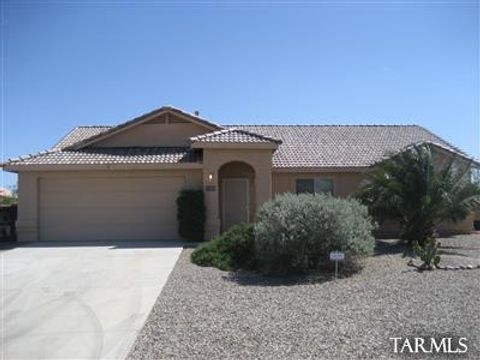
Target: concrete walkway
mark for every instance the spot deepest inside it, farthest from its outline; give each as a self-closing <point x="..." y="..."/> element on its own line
<point x="79" y="301"/>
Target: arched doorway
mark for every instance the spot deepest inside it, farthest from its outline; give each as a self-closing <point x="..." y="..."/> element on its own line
<point x="237" y="193"/>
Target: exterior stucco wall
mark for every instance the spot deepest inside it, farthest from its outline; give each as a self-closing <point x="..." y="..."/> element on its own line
<point x="28" y="192"/>
<point x="266" y="184"/>
<point x="27" y="220"/>
<point x="344" y="184"/>
<point x="391" y="228"/>
<point x="261" y="162"/>
<point x="175" y="134"/>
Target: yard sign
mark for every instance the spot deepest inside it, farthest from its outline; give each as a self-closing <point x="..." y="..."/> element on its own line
<point x="337" y="256"/>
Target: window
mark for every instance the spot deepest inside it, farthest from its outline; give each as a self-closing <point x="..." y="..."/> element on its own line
<point x="305" y="186"/>
<point x="324" y="186"/>
<point x="476" y="175"/>
<point x="314" y="185"/>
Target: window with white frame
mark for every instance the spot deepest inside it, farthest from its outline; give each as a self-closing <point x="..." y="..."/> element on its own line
<point x="314" y="185"/>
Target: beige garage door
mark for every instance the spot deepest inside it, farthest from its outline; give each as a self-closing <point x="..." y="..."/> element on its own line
<point x="116" y="208"/>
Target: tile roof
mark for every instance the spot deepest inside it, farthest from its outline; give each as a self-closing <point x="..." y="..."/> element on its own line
<point x="233" y="136"/>
<point x="80" y="133"/>
<point x="302" y="146"/>
<point x="341" y="145"/>
<point x="102" y="156"/>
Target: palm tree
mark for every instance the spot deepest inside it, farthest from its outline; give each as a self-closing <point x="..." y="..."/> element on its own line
<point x="421" y="189"/>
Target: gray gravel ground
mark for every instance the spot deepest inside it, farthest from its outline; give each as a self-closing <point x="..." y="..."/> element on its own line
<point x="204" y="313"/>
<point x="461" y="250"/>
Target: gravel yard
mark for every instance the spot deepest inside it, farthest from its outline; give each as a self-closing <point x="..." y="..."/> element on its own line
<point x="205" y="313"/>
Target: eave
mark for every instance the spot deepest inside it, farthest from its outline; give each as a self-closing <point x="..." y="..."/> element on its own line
<point x="108" y="167"/>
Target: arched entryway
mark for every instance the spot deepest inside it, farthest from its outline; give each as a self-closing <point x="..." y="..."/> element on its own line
<point x="237" y="201"/>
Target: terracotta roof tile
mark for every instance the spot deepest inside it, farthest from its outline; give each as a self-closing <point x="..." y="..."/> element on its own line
<point x="233" y="136"/>
<point x="80" y="133"/>
<point x="302" y="146"/>
<point x="100" y="156"/>
<point x="341" y="145"/>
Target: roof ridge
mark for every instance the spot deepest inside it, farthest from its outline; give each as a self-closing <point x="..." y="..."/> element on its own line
<point x="266" y="137"/>
<point x="130" y="147"/>
<point x="230" y="126"/>
<point x="233" y="129"/>
<point x="93" y="126"/>
<point x="324" y="125"/>
<point x="209" y="134"/>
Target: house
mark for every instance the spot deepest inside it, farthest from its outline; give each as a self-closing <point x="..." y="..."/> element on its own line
<point x="121" y="182"/>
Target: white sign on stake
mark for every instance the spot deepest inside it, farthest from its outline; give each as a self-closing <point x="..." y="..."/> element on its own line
<point x="337" y="256"/>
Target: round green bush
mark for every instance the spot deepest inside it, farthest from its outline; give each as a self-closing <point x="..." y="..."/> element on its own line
<point x="295" y="233"/>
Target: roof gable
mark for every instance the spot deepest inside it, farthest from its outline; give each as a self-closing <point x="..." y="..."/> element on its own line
<point x="155" y="116"/>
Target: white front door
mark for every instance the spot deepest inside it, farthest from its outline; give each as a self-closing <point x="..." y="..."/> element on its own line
<point x="235" y="202"/>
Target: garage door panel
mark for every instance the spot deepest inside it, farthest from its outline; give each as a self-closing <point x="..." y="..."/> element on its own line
<point x="111" y="218"/>
<point x="113" y="208"/>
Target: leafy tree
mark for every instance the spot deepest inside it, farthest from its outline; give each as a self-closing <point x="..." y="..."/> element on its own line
<point x="420" y="189"/>
<point x="9" y="199"/>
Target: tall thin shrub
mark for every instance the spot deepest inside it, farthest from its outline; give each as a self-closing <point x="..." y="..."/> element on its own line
<point x="191" y="214"/>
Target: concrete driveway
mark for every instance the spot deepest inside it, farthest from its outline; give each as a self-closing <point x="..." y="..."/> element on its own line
<point x="79" y="301"/>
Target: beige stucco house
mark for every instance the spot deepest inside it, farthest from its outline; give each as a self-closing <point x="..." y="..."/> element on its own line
<point x="121" y="182"/>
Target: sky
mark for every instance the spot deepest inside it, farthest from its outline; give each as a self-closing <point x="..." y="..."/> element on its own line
<point x="69" y="63"/>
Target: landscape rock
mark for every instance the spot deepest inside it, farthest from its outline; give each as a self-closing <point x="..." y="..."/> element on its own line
<point x="205" y="313"/>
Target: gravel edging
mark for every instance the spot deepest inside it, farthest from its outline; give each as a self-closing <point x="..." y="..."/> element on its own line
<point x="205" y="313"/>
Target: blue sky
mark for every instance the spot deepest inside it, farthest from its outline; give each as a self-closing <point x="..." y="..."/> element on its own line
<point x="78" y="63"/>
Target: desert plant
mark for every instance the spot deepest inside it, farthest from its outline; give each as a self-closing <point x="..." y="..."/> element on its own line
<point x="238" y="242"/>
<point x="428" y="253"/>
<point x="191" y="214"/>
<point x="232" y="250"/>
<point x="420" y="189"/>
<point x="295" y="233"/>
<point x="209" y="254"/>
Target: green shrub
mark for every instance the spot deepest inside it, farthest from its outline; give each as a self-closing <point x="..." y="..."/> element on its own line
<point x="295" y="233"/>
<point x="191" y="215"/>
<point x="428" y="253"/>
<point x="234" y="249"/>
<point x="239" y="243"/>
<point x="209" y="254"/>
